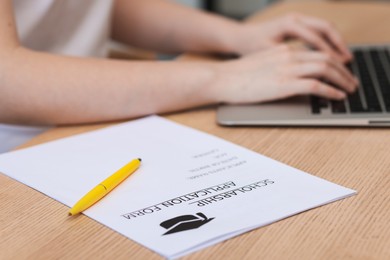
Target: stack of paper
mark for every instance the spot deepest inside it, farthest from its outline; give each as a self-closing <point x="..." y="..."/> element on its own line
<point x="192" y="189"/>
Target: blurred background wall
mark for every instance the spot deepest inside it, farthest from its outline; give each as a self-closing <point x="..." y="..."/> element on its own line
<point x="194" y="3"/>
<point x="232" y="8"/>
<point x="241" y="8"/>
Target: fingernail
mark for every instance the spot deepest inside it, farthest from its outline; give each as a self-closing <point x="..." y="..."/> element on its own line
<point x="356" y="80"/>
<point x="342" y="95"/>
<point x="353" y="87"/>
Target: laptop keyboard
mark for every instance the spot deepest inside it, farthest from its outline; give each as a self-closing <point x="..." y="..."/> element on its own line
<point x="372" y="67"/>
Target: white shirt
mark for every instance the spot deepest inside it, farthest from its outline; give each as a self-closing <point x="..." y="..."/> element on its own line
<point x="69" y="27"/>
<point x="66" y="27"/>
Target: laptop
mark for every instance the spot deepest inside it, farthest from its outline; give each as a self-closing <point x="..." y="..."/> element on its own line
<point x="368" y="106"/>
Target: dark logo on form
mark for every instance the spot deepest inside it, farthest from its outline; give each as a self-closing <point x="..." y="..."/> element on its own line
<point x="184" y="222"/>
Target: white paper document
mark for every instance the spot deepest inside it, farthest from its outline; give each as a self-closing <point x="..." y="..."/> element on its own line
<point x="192" y="189"/>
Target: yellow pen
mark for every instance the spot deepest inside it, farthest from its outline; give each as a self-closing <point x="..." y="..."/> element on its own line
<point x="105" y="187"/>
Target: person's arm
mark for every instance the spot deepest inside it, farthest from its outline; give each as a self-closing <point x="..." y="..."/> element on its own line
<point x="165" y="26"/>
<point x="51" y="89"/>
<point x="43" y="88"/>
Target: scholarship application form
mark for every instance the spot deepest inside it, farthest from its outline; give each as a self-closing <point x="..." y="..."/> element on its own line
<point x="191" y="191"/>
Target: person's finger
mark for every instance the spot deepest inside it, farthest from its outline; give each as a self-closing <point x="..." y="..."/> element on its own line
<point x="313" y="56"/>
<point x="326" y="71"/>
<point x="328" y="30"/>
<point x="313" y="38"/>
<point x="317" y="88"/>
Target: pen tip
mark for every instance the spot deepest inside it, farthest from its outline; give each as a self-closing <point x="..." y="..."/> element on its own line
<point x="139" y="159"/>
<point x="69" y="214"/>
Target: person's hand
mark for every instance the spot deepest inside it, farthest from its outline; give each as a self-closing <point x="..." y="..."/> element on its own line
<point x="317" y="33"/>
<point x="281" y="72"/>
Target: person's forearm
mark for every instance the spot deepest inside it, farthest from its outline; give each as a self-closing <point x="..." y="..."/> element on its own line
<point x="168" y="27"/>
<point x="49" y="89"/>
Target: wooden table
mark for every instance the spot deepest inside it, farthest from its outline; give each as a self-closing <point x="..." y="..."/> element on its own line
<point x="33" y="226"/>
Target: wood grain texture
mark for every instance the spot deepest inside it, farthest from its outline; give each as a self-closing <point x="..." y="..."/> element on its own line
<point x="34" y="226"/>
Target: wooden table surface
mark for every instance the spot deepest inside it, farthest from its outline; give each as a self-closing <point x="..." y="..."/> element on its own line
<point x="34" y="226"/>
